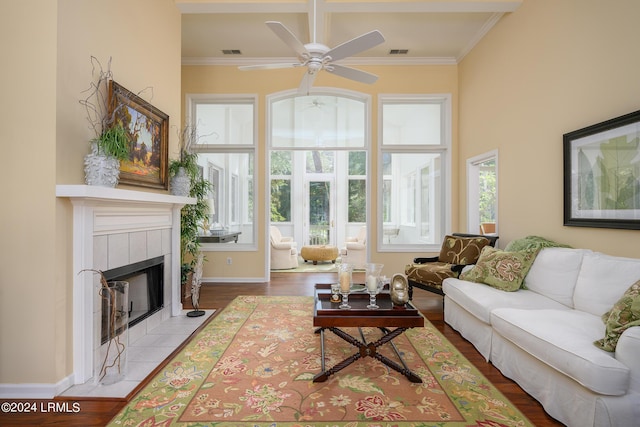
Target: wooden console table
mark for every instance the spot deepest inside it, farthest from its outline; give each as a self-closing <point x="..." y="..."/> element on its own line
<point x="220" y="238"/>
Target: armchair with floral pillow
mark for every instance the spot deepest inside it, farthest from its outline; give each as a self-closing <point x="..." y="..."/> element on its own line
<point x="457" y="251"/>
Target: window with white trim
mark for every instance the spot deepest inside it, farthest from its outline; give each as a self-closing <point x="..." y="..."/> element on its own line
<point x="482" y="193"/>
<point x="414" y="178"/>
<point x="227" y="146"/>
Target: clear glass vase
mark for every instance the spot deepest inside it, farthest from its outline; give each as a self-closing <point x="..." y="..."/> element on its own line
<point x="373" y="283"/>
<point x="111" y="357"/>
<point x="345" y="279"/>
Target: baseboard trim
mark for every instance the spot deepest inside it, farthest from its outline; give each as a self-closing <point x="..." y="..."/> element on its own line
<point x="35" y="390"/>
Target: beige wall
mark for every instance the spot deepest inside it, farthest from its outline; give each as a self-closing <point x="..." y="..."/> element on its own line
<point x="432" y="79"/>
<point x="142" y="38"/>
<point x="47" y="47"/>
<point x="547" y="69"/>
<point x="28" y="284"/>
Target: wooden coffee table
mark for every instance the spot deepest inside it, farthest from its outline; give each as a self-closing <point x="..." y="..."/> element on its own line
<point x="327" y="315"/>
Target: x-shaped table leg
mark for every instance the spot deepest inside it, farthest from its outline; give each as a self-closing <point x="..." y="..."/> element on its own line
<point x="365" y="349"/>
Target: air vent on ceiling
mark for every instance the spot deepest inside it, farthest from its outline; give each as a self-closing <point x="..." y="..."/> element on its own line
<point x="398" y="51"/>
<point x="231" y="51"/>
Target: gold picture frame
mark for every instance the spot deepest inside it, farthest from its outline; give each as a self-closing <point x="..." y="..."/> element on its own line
<point x="148" y="130"/>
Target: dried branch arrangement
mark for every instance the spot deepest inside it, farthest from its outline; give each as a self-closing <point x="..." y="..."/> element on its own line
<point x="96" y="102"/>
<point x="105" y="112"/>
<point x="115" y="344"/>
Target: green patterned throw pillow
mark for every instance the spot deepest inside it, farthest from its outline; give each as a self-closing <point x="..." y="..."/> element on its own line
<point x="624" y="314"/>
<point x="500" y="269"/>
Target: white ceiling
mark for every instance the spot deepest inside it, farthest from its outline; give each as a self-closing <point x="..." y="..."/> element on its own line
<point x="434" y="31"/>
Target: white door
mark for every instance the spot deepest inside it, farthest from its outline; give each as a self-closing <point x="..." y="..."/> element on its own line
<point x="319" y="224"/>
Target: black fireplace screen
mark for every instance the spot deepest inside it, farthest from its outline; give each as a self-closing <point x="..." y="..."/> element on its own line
<point x="146" y="287"/>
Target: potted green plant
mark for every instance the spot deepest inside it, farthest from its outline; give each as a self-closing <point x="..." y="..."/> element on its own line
<point x="192" y="216"/>
<point x="184" y="169"/>
<point x="111" y="142"/>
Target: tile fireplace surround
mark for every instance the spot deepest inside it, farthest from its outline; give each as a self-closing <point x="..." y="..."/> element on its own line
<point x="111" y="228"/>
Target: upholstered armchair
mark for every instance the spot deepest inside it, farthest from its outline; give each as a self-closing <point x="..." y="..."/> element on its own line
<point x="457" y="251"/>
<point x="284" y="251"/>
<point x="355" y="249"/>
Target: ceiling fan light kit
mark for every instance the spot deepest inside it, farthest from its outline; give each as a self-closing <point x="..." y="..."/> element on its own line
<point x="316" y="56"/>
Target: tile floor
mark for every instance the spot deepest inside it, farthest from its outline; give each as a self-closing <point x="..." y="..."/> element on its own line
<point x="145" y="354"/>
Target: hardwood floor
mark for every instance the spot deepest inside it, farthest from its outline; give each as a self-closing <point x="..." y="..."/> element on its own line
<point x="98" y="412"/>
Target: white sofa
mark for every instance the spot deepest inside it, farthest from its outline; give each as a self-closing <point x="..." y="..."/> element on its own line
<point x="542" y="336"/>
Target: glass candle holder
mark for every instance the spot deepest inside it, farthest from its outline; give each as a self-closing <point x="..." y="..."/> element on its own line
<point x="335" y="292"/>
<point x="345" y="278"/>
<point x="373" y="283"/>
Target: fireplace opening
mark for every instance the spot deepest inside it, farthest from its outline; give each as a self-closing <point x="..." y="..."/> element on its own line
<point x="146" y="289"/>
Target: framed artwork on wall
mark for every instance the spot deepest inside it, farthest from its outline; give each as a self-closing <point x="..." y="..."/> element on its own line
<point x="602" y="174"/>
<point x="148" y="130"/>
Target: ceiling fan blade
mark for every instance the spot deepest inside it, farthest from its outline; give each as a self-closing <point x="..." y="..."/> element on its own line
<point x="269" y="66"/>
<point x="352" y="73"/>
<point x="306" y="83"/>
<point x="288" y="37"/>
<point x="357" y="45"/>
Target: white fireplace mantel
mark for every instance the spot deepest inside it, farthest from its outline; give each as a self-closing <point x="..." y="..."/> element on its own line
<point x="101" y="211"/>
<point x="104" y="194"/>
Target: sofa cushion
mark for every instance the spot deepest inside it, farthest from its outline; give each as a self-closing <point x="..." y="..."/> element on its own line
<point x="568" y="349"/>
<point x="480" y="300"/>
<point x="602" y="281"/>
<point x="554" y="273"/>
<point x="624" y="314"/>
<point x="461" y="250"/>
<point x="500" y="269"/>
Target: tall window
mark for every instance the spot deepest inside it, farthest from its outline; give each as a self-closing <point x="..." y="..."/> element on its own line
<point x="482" y="193"/>
<point x="357" y="205"/>
<point x="226" y="147"/>
<point x="318" y="164"/>
<point x="281" y="171"/>
<point x="414" y="178"/>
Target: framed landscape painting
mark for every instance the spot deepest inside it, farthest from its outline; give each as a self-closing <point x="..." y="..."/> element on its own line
<point x="148" y="130"/>
<point x="602" y="174"/>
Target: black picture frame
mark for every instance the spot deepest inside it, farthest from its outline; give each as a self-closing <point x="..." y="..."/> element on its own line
<point x="602" y="174"/>
<point x="148" y="129"/>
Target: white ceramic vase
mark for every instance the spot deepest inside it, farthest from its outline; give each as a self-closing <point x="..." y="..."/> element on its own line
<point x="181" y="184"/>
<point x="100" y="169"/>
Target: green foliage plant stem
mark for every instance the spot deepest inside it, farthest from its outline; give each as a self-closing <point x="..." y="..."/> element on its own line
<point x="191" y="216"/>
<point x="114" y="142"/>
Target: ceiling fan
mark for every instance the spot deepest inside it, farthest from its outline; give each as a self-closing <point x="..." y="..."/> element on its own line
<point x="316" y="56"/>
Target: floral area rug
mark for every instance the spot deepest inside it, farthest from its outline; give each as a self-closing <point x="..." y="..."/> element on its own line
<point x="310" y="267"/>
<point x="253" y="365"/>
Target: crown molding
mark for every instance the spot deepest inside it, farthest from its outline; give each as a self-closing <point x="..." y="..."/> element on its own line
<point x="293" y="60"/>
<point x="488" y="25"/>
